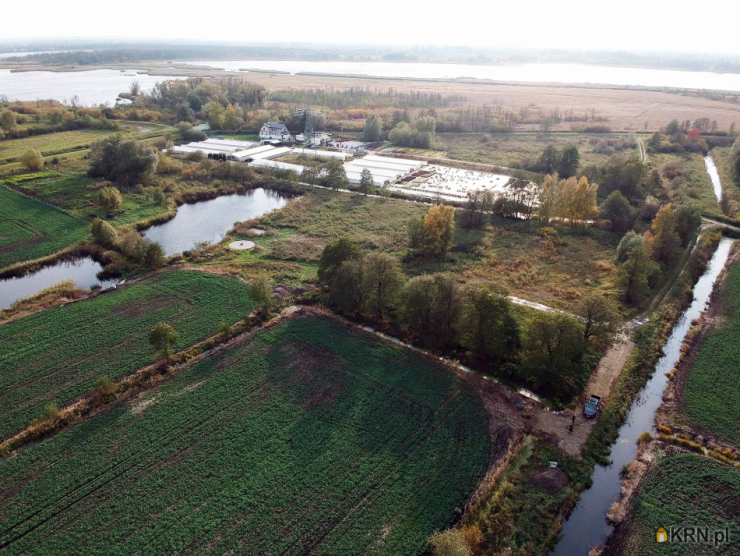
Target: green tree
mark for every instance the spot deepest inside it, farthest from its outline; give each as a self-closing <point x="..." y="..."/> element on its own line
<point x="634" y="272"/>
<point x="162" y="337"/>
<point x="487" y="328"/>
<point x="347" y="291"/>
<point x="224" y="328"/>
<point x="415" y="230"/>
<point x="125" y="162"/>
<point x="553" y="355"/>
<point x="430" y="307"/>
<point x="688" y="220"/>
<point x="382" y="281"/>
<point x="261" y="293"/>
<point x="333" y="256"/>
<point x="549" y="160"/>
<point x="159" y="197"/>
<point x="373" y="130"/>
<point x="336" y="177"/>
<point x="600" y="318"/>
<point x="152" y="253"/>
<point x="439" y="230"/>
<point x="366" y="182"/>
<point x="216" y="115"/>
<point x="32" y="159"/>
<point x="569" y="162"/>
<point x="617" y="210"/>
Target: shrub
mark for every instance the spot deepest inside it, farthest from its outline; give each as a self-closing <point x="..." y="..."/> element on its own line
<point x="110" y="198"/>
<point x="644" y="437"/>
<point x="32" y="159"/>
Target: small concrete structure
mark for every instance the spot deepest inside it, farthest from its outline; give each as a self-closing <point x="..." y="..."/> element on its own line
<point x="241" y="245"/>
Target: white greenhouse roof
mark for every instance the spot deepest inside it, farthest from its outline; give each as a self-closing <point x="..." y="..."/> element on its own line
<point x="325" y="154"/>
<point x="274" y="164"/>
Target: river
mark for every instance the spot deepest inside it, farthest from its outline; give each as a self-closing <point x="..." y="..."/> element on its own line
<point x="525" y="73"/>
<point x="204" y="221"/>
<point x="714" y="175"/>
<point x="587" y="526"/>
<point x="92" y="87"/>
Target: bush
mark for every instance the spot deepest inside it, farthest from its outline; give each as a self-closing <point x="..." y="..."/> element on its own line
<point x="32" y="159"/>
<point x="110" y="198"/>
<point x="103" y="233"/>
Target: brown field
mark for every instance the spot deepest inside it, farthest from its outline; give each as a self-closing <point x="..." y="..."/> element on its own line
<point x="626" y="110"/>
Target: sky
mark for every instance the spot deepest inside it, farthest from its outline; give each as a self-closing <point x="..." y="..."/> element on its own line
<point x="677" y="25"/>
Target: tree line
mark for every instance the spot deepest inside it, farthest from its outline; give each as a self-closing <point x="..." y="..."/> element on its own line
<point x="552" y="353"/>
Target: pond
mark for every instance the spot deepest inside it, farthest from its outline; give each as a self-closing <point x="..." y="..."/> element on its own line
<point x="83" y="272"/>
<point x="91" y="87"/>
<point x="587" y="525"/>
<point x="525" y="73"/>
<point x="204" y="221"/>
<point x="208" y="221"/>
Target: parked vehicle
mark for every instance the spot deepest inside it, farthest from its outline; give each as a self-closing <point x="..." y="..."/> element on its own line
<point x="592" y="407"/>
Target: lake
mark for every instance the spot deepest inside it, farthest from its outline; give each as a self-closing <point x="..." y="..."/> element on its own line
<point x="82" y="271"/>
<point x="208" y="221"/>
<point x="527" y="73"/>
<point x="93" y="87"/>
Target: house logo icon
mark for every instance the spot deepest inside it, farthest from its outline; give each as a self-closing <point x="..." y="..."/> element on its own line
<point x="661" y="535"/>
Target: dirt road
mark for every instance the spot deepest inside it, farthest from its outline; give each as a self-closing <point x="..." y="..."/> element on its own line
<point x="601" y="383"/>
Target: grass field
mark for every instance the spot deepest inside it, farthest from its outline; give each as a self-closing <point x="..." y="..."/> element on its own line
<point x="686" y="490"/>
<point x="30" y="229"/>
<point x="698" y="190"/>
<point x="307" y="439"/>
<point x="512" y="149"/>
<point x="711" y="394"/>
<point x="509" y="253"/>
<point x="58" y="354"/>
<point x="69" y="191"/>
<point x="522" y="508"/>
<point x="50" y="144"/>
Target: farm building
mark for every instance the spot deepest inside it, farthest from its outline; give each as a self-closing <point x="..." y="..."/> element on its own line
<point x="382" y="169"/>
<point x="274" y="131"/>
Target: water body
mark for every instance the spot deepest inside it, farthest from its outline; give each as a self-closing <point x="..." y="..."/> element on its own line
<point x="527" y="73"/>
<point x="93" y="87"/>
<point x="83" y="272"/>
<point x="208" y="221"/>
<point x="587" y="525"/>
<point x="714" y="175"/>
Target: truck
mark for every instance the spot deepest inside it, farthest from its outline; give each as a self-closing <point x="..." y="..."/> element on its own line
<point x="592" y="407"/>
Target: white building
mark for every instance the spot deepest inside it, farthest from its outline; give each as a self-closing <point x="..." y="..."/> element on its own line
<point x="345" y="146"/>
<point x="273" y="131"/>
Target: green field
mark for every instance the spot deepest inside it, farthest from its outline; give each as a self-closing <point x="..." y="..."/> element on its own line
<point x="58" y="354"/>
<point x="513" y="149"/>
<point x="686" y="490"/>
<point x="51" y="143"/>
<point x="307" y="439"/>
<point x="30" y="229"/>
<point x="711" y="394"/>
<point x="69" y="191"/>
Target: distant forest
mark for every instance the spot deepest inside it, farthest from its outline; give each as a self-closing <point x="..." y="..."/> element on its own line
<point x="101" y="53"/>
